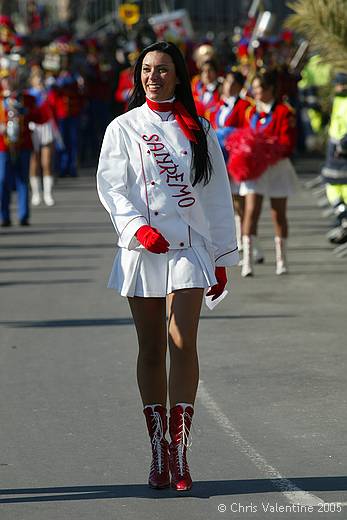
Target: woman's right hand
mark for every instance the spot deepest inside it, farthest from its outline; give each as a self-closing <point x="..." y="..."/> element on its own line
<point x="152" y="240"/>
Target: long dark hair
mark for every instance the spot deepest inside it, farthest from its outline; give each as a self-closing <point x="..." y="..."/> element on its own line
<point x="269" y="79"/>
<point x="183" y="93"/>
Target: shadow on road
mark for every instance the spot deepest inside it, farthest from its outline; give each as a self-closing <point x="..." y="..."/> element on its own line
<point x="46" y="282"/>
<point x="107" y="322"/>
<point x="201" y="489"/>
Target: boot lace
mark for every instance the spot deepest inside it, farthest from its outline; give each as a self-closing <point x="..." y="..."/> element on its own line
<point x="184" y="444"/>
<point x="157" y="444"/>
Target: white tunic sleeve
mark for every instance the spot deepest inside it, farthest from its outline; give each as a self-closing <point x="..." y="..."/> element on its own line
<point x="218" y="207"/>
<point x="112" y="185"/>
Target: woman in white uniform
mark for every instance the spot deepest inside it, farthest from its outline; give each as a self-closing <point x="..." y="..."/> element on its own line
<point x="276" y="120"/>
<point x="162" y="178"/>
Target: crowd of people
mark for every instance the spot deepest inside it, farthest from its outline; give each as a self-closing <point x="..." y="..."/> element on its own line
<point x="56" y="102"/>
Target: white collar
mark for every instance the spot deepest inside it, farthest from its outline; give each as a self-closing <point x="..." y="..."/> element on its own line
<point x="171" y="100"/>
<point x="230" y="101"/>
<point x="265" y="107"/>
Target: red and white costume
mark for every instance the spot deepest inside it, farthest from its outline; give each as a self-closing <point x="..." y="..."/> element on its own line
<point x="279" y="180"/>
<point x="145" y="178"/>
<point x="206" y="97"/>
<point x="44" y="131"/>
<point x="229" y="115"/>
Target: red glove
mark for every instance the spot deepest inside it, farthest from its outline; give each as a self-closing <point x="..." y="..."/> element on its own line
<point x="217" y="289"/>
<point x="152" y="240"/>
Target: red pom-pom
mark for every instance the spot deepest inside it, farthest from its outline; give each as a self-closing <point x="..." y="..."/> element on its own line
<point x="251" y="153"/>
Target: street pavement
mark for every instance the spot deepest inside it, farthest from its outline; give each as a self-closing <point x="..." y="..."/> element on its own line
<point x="269" y="438"/>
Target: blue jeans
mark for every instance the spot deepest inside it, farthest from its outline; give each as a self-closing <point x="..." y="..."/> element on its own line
<point x="14" y="174"/>
<point x="67" y="157"/>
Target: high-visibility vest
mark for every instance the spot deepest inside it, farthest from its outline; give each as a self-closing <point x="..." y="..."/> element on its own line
<point x="338" y="122"/>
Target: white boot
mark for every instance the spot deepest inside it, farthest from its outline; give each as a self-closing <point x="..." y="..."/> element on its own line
<point x="35" y="185"/>
<point x="247" y="262"/>
<point x="258" y="253"/>
<point x="47" y="190"/>
<point x="281" y="260"/>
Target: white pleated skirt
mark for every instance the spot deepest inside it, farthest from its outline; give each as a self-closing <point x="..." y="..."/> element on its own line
<point x="150" y="275"/>
<point x="234" y="187"/>
<point x="277" y="181"/>
<point x="42" y="135"/>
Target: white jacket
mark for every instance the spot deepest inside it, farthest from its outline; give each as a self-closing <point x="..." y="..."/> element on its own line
<point x="145" y="176"/>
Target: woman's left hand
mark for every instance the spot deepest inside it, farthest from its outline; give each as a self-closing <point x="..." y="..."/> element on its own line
<point x="218" y="289"/>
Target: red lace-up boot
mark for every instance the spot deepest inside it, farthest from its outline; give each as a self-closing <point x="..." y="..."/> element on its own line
<point x="159" y="476"/>
<point x="179" y="426"/>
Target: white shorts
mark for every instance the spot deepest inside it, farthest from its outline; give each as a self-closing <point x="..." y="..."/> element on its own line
<point x="141" y="273"/>
<point x="277" y="181"/>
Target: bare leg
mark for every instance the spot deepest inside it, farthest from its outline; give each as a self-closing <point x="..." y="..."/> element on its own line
<point x="34" y="164"/>
<point x="184" y="312"/>
<point x="35" y="178"/>
<point x="253" y="205"/>
<point x="46" y="159"/>
<point x="150" y="321"/>
<point x="279" y="216"/>
<point x="239" y="205"/>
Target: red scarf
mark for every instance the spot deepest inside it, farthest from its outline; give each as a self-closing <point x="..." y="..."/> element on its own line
<point x="185" y="121"/>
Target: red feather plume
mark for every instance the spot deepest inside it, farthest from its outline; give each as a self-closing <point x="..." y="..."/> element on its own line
<point x="251" y="153"/>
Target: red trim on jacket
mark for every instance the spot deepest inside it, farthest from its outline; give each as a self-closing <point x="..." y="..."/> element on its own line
<point x="198" y="91"/>
<point x="282" y="125"/>
<point x="237" y="117"/>
<point x="24" y="141"/>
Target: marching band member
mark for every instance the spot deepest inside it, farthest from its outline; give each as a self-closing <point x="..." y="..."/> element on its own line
<point x="206" y="91"/>
<point x="7" y="34"/>
<point x="43" y="135"/>
<point x="17" y="109"/>
<point x="125" y="83"/>
<point x="66" y="99"/>
<point x="162" y="178"/>
<point x="229" y="114"/>
<point x="275" y="121"/>
<point x="98" y="78"/>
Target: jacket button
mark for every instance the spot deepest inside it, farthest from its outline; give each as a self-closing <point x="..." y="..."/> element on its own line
<point x="148" y="151"/>
<point x="181" y="244"/>
<point x="153" y="183"/>
<point x="185" y="152"/>
<point x="156" y="213"/>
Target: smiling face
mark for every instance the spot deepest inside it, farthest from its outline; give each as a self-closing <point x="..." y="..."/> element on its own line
<point x="158" y="76"/>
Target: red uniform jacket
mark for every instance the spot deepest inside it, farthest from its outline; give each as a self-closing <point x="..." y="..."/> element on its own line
<point x="281" y="123"/>
<point x="125" y="85"/>
<point x="66" y="101"/>
<point x="27" y="113"/>
<point x="204" y="109"/>
<point x="237" y="116"/>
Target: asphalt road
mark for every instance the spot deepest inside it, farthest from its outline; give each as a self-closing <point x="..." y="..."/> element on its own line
<point x="270" y="431"/>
